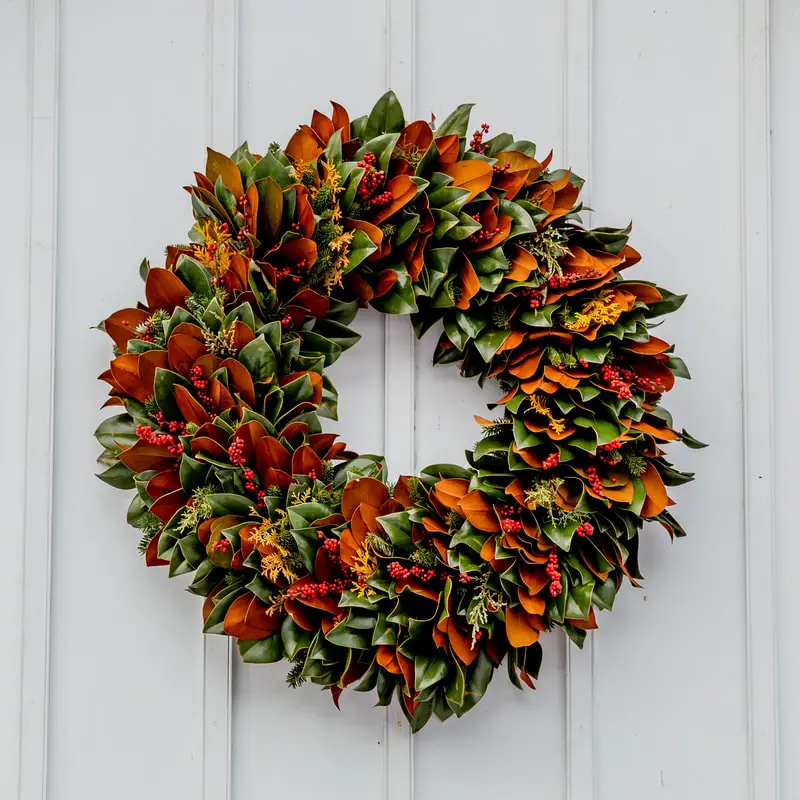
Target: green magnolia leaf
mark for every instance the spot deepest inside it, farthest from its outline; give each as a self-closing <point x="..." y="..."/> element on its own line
<point x="164" y="389"/>
<point x="456" y="122"/>
<point x="118" y="476"/>
<point x="119" y="430"/>
<point x="428" y="670"/>
<point x="259" y="359"/>
<point x="261" y="651"/>
<point x="385" y="117"/>
<point x="361" y="248"/>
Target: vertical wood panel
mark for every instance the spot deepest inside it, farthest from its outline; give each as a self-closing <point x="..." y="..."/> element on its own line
<point x="223" y="97"/>
<point x="294" y="58"/>
<point x="671" y="712"/>
<point x="126" y="678"/>
<point x="15" y="51"/>
<point x="785" y="211"/>
<point x="757" y="411"/>
<point x="399" y="379"/>
<point x="513" y="742"/>
<point x="577" y="29"/>
<point x="41" y="273"/>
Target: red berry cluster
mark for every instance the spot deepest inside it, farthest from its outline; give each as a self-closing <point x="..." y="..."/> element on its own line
<point x="509" y="514"/>
<point x="554" y="573"/>
<point x="476" y="143"/>
<point x="243" y="205"/>
<point x="512" y="525"/>
<point x="147" y="334"/>
<point x="584" y="529"/>
<point x="484" y="234"/>
<point x="594" y="480"/>
<point x="618" y="379"/>
<point x="498" y="170"/>
<point x="535" y="296"/>
<point x="288" y="273"/>
<point x="465" y="578"/>
<point x="321" y="589"/>
<point x="168" y="440"/>
<point x="312" y="473"/>
<point x="398" y="572"/>
<point x="249" y="479"/>
<point x="236" y="452"/>
<point x="656" y="386"/>
<point x="332" y="549"/>
<point x="372" y="181"/>
<point x="221" y="546"/>
<point x="200" y="385"/>
<point x="551" y="462"/>
<point x="564" y="281"/>
<point x="286" y="321"/>
<point x="173" y="426"/>
<point x="508" y="510"/>
<point x="604" y="451"/>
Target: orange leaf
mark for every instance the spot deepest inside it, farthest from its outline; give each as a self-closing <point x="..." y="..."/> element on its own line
<point x="322" y="126"/>
<point x="341" y="121"/>
<point x="164" y="290"/>
<point x="448" y="149"/>
<point x="449" y="491"/>
<point x="403" y="191"/>
<point x="247" y="618"/>
<point x="474" y="175"/>
<point x="166" y="505"/>
<point x="121" y="325"/>
<point x="304" y="145"/>
<point x="656" y="500"/>
<point x="183" y="351"/>
<point x="533" y="604"/>
<point x="387" y="659"/>
<point x="363" y="490"/>
<point x="191" y="410"/>
<point x="519" y="627"/>
<point x="306" y="461"/>
<point x="479" y="512"/>
<point x="220" y="166"/>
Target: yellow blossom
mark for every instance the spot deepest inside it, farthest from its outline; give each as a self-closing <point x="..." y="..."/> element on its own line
<point x="602" y="310"/>
<point x="556" y="424"/>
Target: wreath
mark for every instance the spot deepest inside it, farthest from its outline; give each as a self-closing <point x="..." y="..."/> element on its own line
<point x="300" y="546"/>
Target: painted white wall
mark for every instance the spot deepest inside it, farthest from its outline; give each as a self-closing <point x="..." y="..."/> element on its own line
<point x="671" y="109"/>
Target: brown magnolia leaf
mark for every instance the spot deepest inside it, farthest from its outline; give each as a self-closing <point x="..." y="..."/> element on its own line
<point x="474" y="175"/>
<point x="191" y="410"/>
<point x="403" y="191"/>
<point x="448" y="147"/>
<point x="656" y="500"/>
<point x="479" y="511"/>
<point x="370" y="491"/>
<point x="121" y="325"/>
<point x="166" y="505"/>
<point x="152" y="560"/>
<point x="248" y="618"/>
<point x="519" y="627"/>
<point x="305" y="462"/>
<point x="469" y="283"/>
<point x="322" y="126"/>
<point x="164" y="290"/>
<point x="304" y="146"/>
<point x="341" y="120"/>
<point x="449" y="491"/>
<point x="220" y="166"/>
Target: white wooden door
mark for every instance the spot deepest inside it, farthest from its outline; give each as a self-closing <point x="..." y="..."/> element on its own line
<point x="682" y="116"/>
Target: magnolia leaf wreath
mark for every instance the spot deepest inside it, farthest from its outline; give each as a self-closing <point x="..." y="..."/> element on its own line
<point x="301" y="547"/>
